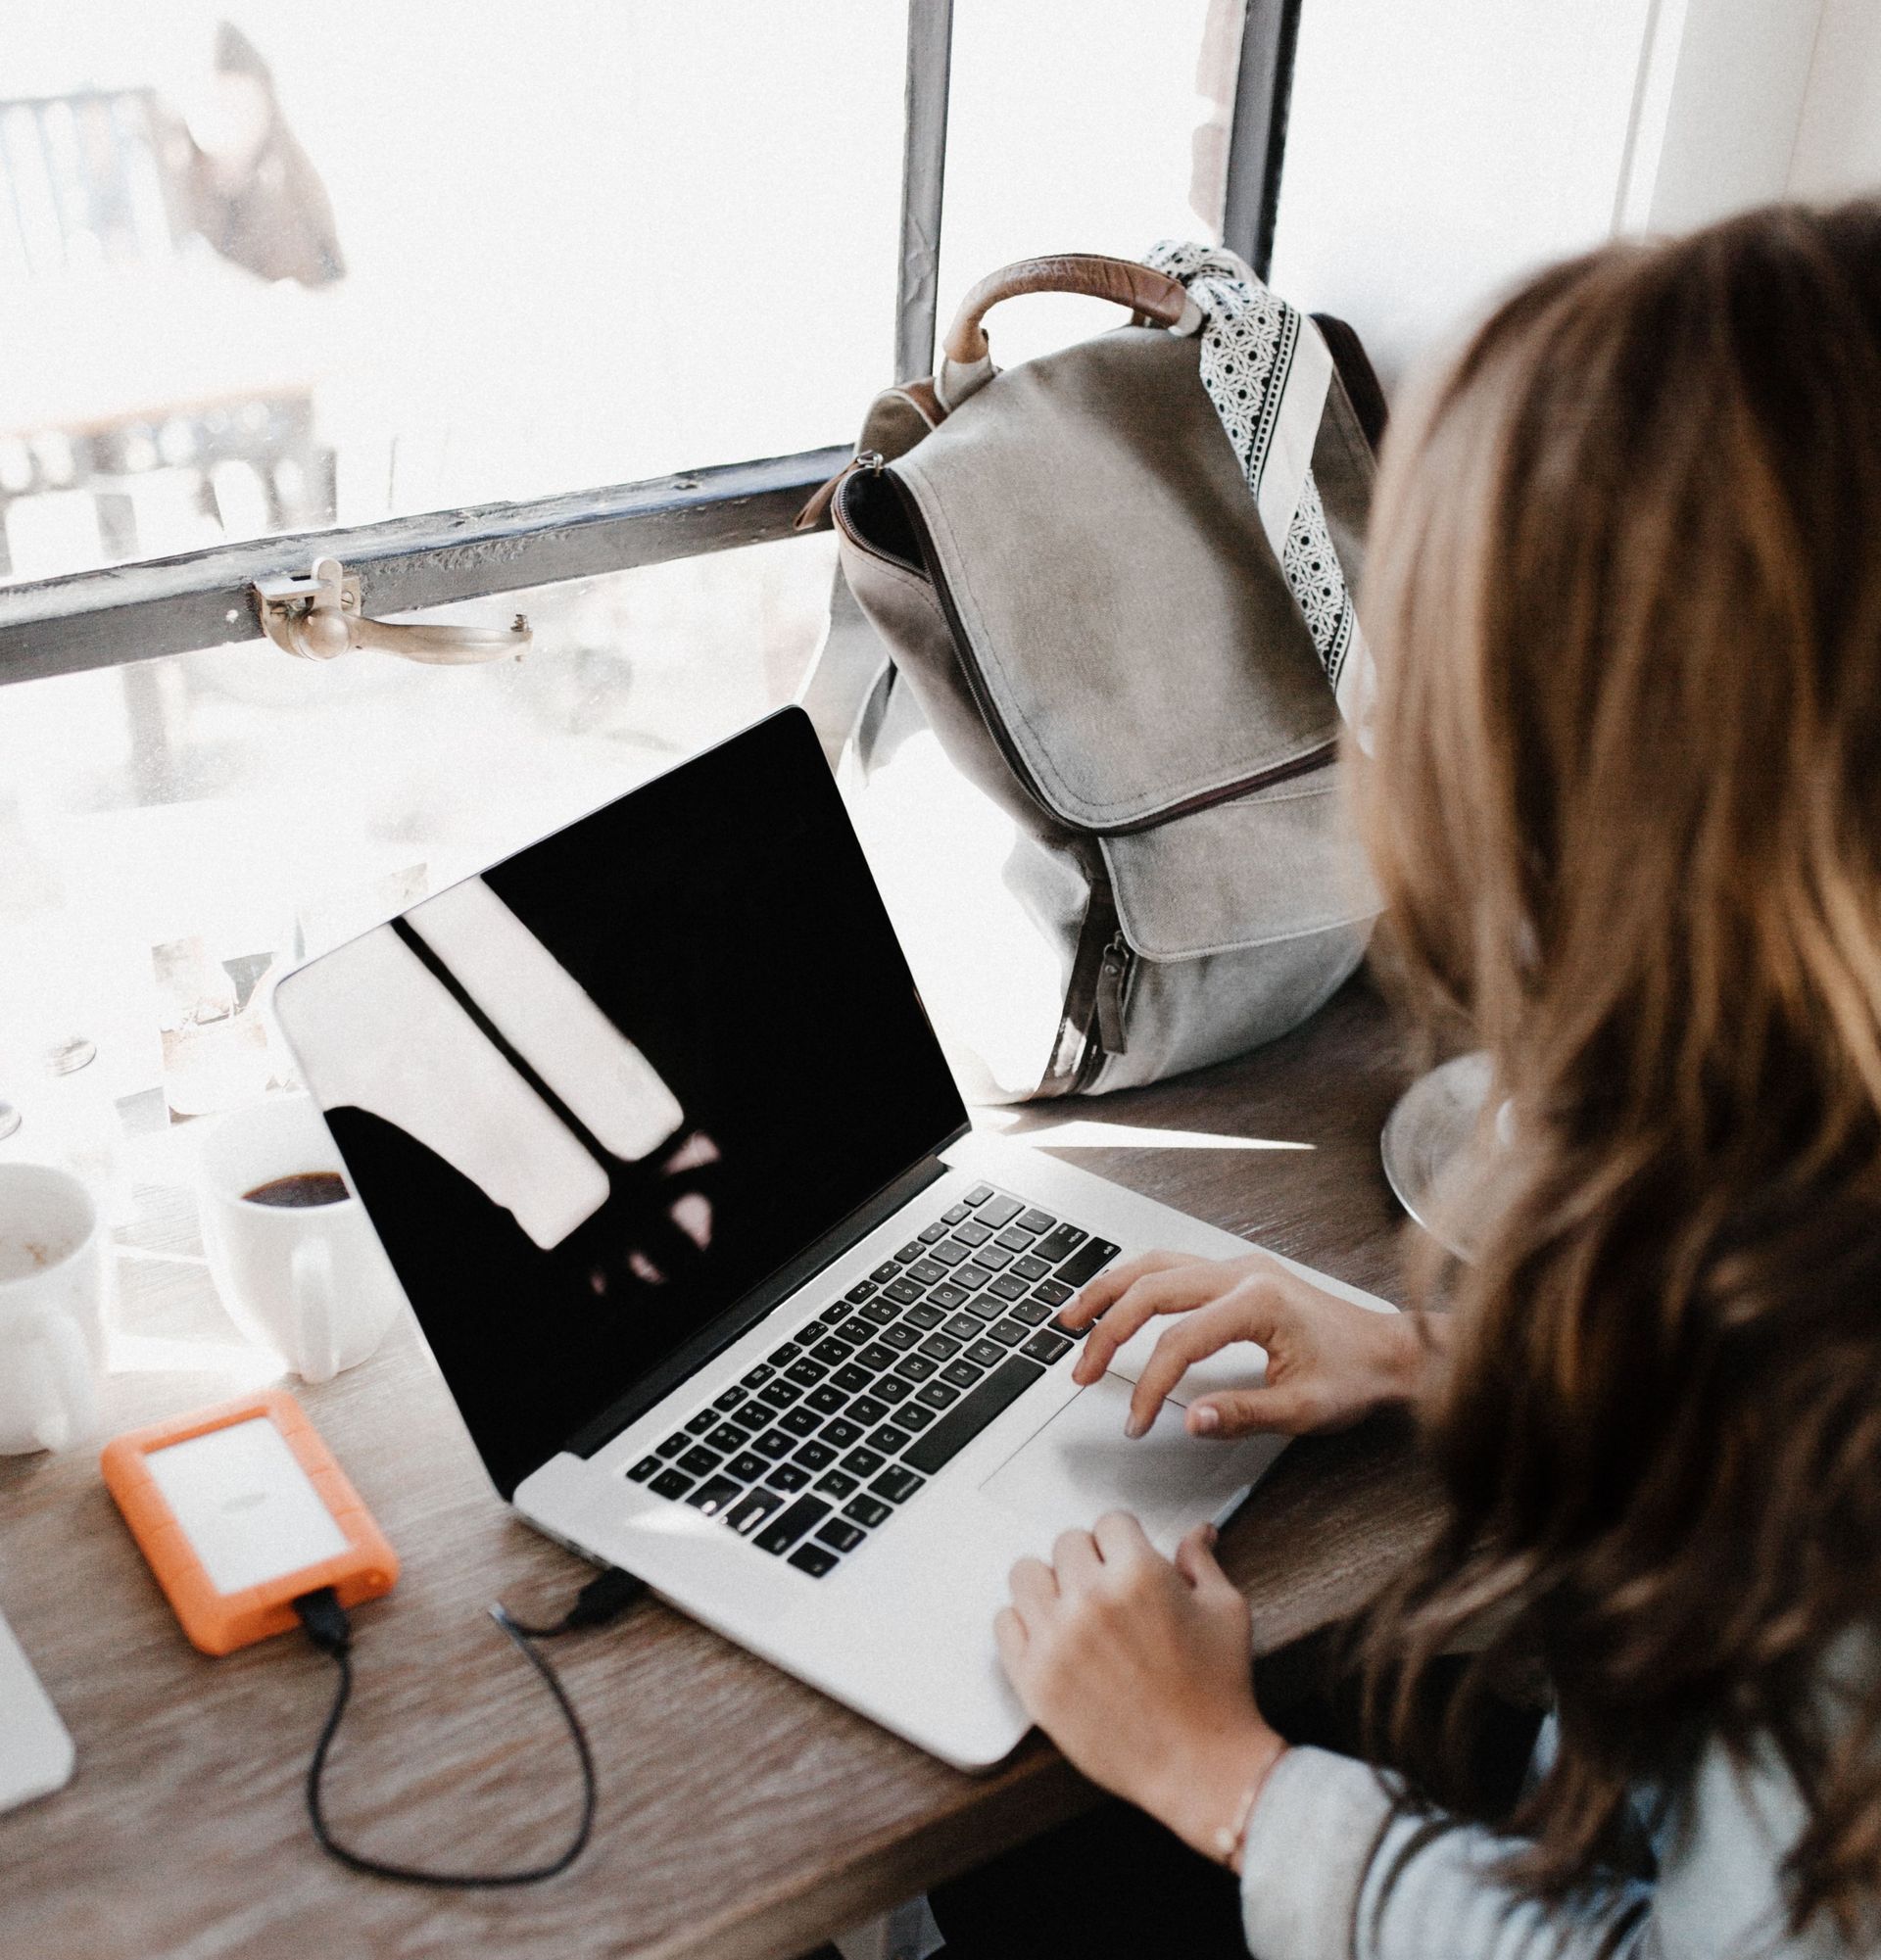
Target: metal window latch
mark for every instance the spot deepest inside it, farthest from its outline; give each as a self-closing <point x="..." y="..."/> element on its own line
<point x="319" y="618"/>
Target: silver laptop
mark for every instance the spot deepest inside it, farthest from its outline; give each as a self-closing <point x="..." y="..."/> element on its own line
<point x="729" y="1294"/>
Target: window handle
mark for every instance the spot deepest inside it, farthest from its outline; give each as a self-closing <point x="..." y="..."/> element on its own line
<point x="319" y="618"/>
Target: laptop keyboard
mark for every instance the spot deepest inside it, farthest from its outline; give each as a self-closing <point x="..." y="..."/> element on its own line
<point x="821" y="1443"/>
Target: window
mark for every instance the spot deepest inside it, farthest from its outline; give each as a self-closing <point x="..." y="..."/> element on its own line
<point x="561" y="313"/>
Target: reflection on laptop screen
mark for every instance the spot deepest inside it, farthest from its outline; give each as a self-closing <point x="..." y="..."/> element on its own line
<point x="595" y="1095"/>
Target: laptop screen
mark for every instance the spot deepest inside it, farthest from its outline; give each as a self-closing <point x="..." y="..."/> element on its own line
<point x="594" y="1097"/>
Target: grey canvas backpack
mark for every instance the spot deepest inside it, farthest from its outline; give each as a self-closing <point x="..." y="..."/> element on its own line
<point x="1066" y="565"/>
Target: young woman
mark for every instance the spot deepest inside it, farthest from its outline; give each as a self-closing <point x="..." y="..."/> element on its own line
<point x="1625" y="811"/>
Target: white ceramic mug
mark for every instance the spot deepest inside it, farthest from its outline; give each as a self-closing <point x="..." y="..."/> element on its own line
<point x="310" y="1282"/>
<point x="52" y="1309"/>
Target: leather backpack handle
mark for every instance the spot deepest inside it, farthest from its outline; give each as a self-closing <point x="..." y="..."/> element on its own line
<point x="1153" y="296"/>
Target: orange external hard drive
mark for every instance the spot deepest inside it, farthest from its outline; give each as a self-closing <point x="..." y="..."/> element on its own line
<point x="240" y="1510"/>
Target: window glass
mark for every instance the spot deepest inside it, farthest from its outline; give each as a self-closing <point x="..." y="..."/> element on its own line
<point x="171" y="832"/>
<point x="1100" y="132"/>
<point x="268" y="265"/>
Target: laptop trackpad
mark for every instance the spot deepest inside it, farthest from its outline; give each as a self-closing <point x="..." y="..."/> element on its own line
<point x="1081" y="1465"/>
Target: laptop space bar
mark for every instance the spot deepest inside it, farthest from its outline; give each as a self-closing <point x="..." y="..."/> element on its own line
<point x="963" y="1422"/>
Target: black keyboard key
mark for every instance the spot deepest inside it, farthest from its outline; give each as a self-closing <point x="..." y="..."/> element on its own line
<point x="841" y="1432"/>
<point x="927" y="1271"/>
<point x="954" y="1215"/>
<point x="1031" y="1311"/>
<point x="910" y="1253"/>
<point x="831" y="1352"/>
<point x="839" y="1483"/>
<point x="827" y="1400"/>
<point x="801" y="1422"/>
<point x="1059" y="1243"/>
<point x="714" y="1494"/>
<point x="928" y="1313"/>
<point x="949" y="1251"/>
<point x="730" y="1399"/>
<point x="945" y="1297"/>
<point x="850" y="1378"/>
<point x="973" y="1277"/>
<point x="962" y="1374"/>
<point x="927" y="1235"/>
<point x="983" y="1354"/>
<point x="751" y="1509"/>
<point x="746" y="1468"/>
<point x="879" y="1312"/>
<point x="911" y="1416"/>
<point x="891" y="1388"/>
<point x="1002" y="1212"/>
<point x="788" y="1477"/>
<point x="757" y="1377"/>
<point x="903" y="1292"/>
<point x="844" y="1537"/>
<point x="699" y="1462"/>
<point x="673" y="1445"/>
<point x="884" y="1272"/>
<point x="1034" y="1221"/>
<point x="963" y="1327"/>
<point x="1015" y="1238"/>
<point x="1046" y="1346"/>
<point x="938" y="1446"/>
<point x="702" y="1421"/>
<point x="974" y="1233"/>
<point x="643" y="1469"/>
<point x="856" y="1330"/>
<point x="938" y="1394"/>
<point x="867" y="1510"/>
<point x="1053" y="1292"/>
<point x="781" y="1358"/>
<point x="895" y="1484"/>
<point x="900" y="1337"/>
<point x="670" y="1484"/>
<point x="817" y="1456"/>
<point x="830" y="1316"/>
<point x="986" y="1306"/>
<point x="979" y="1194"/>
<point x="1029" y="1267"/>
<point x="775" y="1443"/>
<point x="889" y="1439"/>
<point x="863" y="1462"/>
<point x="1070" y="1333"/>
<point x="867" y="1410"/>
<point x="781" y="1394"/>
<point x="941" y="1347"/>
<point x="1007" y="1287"/>
<point x="860" y="1291"/>
<point x="805" y="1374"/>
<point x="996" y="1257"/>
<point x="784" y="1530"/>
<point x="917" y="1368"/>
<point x="1008" y="1333"/>
<point x="815" y="1559"/>
<point x="1086" y="1262"/>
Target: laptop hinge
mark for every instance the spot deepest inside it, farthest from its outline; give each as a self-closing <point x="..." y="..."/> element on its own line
<point x="739" y="1320"/>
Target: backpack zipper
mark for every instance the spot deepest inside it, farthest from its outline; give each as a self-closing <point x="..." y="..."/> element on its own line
<point x="1113" y="977"/>
<point x="1227" y="793"/>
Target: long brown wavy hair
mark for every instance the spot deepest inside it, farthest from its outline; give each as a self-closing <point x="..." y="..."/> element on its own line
<point x="1625" y="813"/>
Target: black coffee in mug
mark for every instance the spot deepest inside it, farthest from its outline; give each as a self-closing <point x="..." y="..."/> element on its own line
<point x="302" y="1189"/>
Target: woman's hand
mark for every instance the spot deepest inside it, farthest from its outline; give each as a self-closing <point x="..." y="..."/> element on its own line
<point x="1329" y="1362"/>
<point x="1139" y="1670"/>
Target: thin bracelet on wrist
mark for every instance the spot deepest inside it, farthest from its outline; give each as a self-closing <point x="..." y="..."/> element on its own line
<point x="1229" y="1837"/>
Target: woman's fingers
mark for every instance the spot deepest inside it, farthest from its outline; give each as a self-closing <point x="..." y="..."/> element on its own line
<point x="1075" y="1559"/>
<point x="1121" y="1540"/>
<point x="1172" y="1290"/>
<point x="1248" y="1314"/>
<point x="1096" y="1295"/>
<point x="1035" y="1588"/>
<point x="1195" y="1560"/>
<point x="1289" y="1410"/>
<point x="1009" y="1635"/>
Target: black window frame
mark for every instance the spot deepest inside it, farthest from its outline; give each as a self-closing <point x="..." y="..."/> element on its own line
<point x="122" y="614"/>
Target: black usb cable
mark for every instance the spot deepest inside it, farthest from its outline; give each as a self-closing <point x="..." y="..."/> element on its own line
<point x="328" y="1628"/>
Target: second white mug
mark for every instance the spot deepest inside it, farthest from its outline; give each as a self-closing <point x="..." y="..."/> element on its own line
<point x="308" y="1280"/>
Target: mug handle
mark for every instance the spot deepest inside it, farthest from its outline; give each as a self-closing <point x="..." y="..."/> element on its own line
<point x="316" y="1318"/>
<point x="58" y="1382"/>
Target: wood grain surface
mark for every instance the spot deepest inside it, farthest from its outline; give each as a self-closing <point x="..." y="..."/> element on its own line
<point x="742" y="1814"/>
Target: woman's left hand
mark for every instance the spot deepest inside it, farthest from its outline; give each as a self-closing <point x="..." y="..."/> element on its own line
<point x="1141" y="1671"/>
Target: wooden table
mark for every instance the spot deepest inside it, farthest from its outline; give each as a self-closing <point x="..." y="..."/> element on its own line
<point x="741" y="1813"/>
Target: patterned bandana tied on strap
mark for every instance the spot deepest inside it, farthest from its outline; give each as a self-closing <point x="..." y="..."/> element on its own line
<point x="1267" y="367"/>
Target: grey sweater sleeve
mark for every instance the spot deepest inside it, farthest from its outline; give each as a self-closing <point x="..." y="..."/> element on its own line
<point x="1321" y="1843"/>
